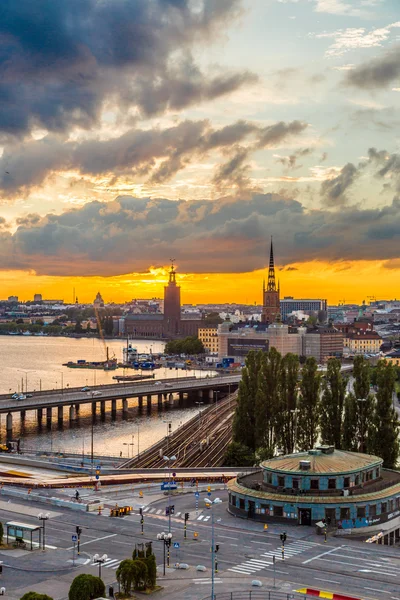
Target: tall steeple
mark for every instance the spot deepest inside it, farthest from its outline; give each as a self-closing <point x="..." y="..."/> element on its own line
<point x="172" y="274"/>
<point x="271" y="300"/>
<point x="271" y="271"/>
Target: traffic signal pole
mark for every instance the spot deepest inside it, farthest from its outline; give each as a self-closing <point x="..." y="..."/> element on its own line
<point x="185" y="526"/>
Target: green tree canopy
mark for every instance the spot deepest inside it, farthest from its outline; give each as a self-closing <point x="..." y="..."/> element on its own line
<point x="385" y="442"/>
<point x="189" y="345"/>
<point x="35" y="596"/>
<point x="238" y="455"/>
<point x="332" y="404"/>
<point x="308" y="406"/>
<point x="86" y="587"/>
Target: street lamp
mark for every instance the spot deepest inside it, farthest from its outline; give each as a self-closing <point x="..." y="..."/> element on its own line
<point x="166" y="538"/>
<point x="169" y="427"/>
<point x="129" y="444"/>
<point x="92" y="436"/>
<point x="216" y="392"/>
<point x="210" y="504"/>
<point x="99" y="560"/>
<point x="362" y="400"/>
<point x="169" y="459"/>
<point x="43" y="518"/>
<point x="294" y="413"/>
<point x="26" y="379"/>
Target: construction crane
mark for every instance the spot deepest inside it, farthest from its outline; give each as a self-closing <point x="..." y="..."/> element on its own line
<point x="371" y="299"/>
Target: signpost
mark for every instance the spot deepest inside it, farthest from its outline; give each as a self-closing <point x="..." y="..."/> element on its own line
<point x="197" y="495"/>
<point x="74" y="539"/>
<point x="177" y="546"/>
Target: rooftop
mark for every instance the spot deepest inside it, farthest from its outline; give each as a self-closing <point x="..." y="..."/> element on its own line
<point x="322" y="462"/>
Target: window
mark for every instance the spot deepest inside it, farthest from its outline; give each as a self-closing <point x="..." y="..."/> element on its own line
<point x="357" y="480"/>
<point x="295" y="484"/>
<point x="377" y="473"/>
<point x="344" y="512"/>
<point x="241" y="503"/>
<point x="281" y="481"/>
<point x="269" y="477"/>
<point x="278" y="511"/>
<point x="331" y="484"/>
<point x="233" y="500"/>
<point x="372" y="510"/>
<point x="383" y="507"/>
<point x="314" y="484"/>
<point x="360" y="512"/>
<point x="346" y="482"/>
<point x="391" y="505"/>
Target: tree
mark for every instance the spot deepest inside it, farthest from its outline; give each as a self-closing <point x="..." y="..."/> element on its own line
<point x="35" y="596"/>
<point x="238" y="455"/>
<point x="78" y="327"/>
<point x="385" y="442"/>
<point x="151" y="571"/>
<point x="213" y="318"/>
<point x="286" y="414"/>
<point x="332" y="404"/>
<point x="350" y="436"/>
<point x="189" y="345"/>
<point x="86" y="587"/>
<point x="126" y="575"/>
<point x="267" y="401"/>
<point x="362" y="377"/>
<point x="308" y="406"/>
<point x="245" y="414"/>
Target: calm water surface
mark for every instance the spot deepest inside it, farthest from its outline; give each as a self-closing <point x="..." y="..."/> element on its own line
<point x="38" y="361"/>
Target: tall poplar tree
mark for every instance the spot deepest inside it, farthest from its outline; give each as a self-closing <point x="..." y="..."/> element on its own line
<point x="244" y="421"/>
<point x="364" y="404"/>
<point x="332" y="404"/>
<point x="351" y="439"/>
<point x="287" y="401"/>
<point x="308" y="406"/>
<point x="385" y="440"/>
<point x="267" y="402"/>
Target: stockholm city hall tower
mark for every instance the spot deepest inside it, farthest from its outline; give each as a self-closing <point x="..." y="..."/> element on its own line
<point x="271" y="296"/>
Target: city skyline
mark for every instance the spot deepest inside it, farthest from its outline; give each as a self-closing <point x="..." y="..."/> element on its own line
<point x="198" y="130"/>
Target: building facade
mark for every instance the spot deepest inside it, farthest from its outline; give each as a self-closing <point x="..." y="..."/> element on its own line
<point x="394" y="358"/>
<point x="209" y="337"/>
<point x="362" y="342"/>
<point x="346" y="490"/>
<point x="323" y="343"/>
<point x="306" y="305"/>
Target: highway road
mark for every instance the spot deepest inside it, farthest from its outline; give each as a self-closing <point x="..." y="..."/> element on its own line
<point x="116" y="391"/>
<point x="245" y="553"/>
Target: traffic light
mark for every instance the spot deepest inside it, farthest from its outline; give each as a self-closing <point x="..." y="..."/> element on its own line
<point x="172" y="509"/>
<point x="78" y="530"/>
<point x="186" y="516"/>
<point x="1" y="569"/>
<point x="283" y="536"/>
<point x="216" y="548"/>
<point x="141" y="511"/>
<point x="167" y="511"/>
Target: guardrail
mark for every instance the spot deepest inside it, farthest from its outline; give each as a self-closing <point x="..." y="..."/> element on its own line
<point x="260" y="595"/>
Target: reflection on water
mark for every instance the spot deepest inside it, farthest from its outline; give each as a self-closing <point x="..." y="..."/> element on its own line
<point x="38" y="362"/>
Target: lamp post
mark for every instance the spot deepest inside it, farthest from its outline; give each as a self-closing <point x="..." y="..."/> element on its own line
<point x="92" y="435"/>
<point x="26" y="379"/>
<point x="210" y="503"/>
<point x="198" y="404"/>
<point x="99" y="560"/>
<point x="169" y="459"/>
<point x="137" y="439"/>
<point x="129" y="444"/>
<point x="169" y="427"/>
<point x="294" y="413"/>
<point x="166" y="539"/>
<point x="362" y="401"/>
<point x="216" y="392"/>
<point x="43" y="518"/>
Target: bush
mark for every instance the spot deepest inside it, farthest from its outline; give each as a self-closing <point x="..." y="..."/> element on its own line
<point x="238" y="455"/>
<point x="86" y="587"/>
<point x="35" y="596"/>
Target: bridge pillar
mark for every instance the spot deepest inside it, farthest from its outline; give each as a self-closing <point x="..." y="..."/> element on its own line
<point x="72" y="413"/>
<point x="103" y="410"/>
<point x="124" y="408"/>
<point x="60" y="416"/>
<point x="171" y="399"/>
<point x="140" y="401"/>
<point x="77" y="407"/>
<point x="200" y="394"/>
<point x="159" y="401"/>
<point x="210" y="396"/>
<point x="22" y="416"/>
<point x="49" y="414"/>
<point x="94" y="407"/>
<point x="113" y="409"/>
<point x="39" y="416"/>
<point x="9" y="426"/>
<point x="180" y="399"/>
<point x="148" y="402"/>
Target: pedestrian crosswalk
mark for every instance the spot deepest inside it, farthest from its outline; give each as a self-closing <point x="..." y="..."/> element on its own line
<point x="178" y="515"/>
<point x="206" y="581"/>
<point x="265" y="560"/>
<point x="110" y="563"/>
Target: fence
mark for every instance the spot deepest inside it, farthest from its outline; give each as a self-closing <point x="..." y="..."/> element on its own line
<point x="260" y="595"/>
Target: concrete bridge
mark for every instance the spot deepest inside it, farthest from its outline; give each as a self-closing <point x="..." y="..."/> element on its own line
<point x="203" y="389"/>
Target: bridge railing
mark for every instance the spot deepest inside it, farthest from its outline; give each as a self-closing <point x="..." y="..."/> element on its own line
<point x="259" y="595"/>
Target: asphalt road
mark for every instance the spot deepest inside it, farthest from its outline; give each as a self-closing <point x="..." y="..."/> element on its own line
<point x="245" y="553"/>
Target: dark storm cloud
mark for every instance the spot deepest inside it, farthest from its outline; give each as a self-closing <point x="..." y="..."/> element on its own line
<point x="129" y="234"/>
<point x="60" y="61"/>
<point x="27" y="164"/>
<point x="333" y="191"/>
<point x="376" y="73"/>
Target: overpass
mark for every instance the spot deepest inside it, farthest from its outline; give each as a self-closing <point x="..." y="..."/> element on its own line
<point x="201" y="388"/>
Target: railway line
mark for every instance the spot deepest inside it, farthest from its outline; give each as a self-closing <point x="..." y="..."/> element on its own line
<point x="201" y="442"/>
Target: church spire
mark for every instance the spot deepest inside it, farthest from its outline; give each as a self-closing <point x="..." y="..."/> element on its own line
<point x="271" y="272"/>
<point x="172" y="274"/>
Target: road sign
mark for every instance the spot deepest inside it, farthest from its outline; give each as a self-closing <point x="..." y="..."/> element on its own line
<point x="98" y="467"/>
<point x="208" y="493"/>
<point x="97" y="476"/>
<point x="74" y="538"/>
<point x="196" y="495"/>
<point x="176" y="545"/>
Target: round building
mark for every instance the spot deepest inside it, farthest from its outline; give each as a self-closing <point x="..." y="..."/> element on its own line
<point x="348" y="491"/>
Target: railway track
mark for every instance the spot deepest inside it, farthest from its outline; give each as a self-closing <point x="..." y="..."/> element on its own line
<point x="202" y="441"/>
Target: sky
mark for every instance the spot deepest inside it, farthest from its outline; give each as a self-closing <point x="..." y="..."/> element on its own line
<point x="136" y="131"/>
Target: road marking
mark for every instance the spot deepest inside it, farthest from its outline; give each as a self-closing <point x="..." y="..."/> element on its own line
<point x="177" y="514"/>
<point x="340" y="562"/>
<point x="159" y="511"/>
<point x="228" y="537"/>
<point x="319" y="556"/>
<point x="152" y="510"/>
<point x="95" y="540"/>
<point x="328" y="580"/>
<point x="264" y="543"/>
<point x="376" y="590"/>
<point x="200" y="517"/>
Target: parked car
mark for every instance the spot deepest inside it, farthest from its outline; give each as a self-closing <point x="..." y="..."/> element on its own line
<point x="96" y="393"/>
<point x="158" y="383"/>
<point x="15" y="396"/>
<point x="168" y="384"/>
<point x="22" y="397"/>
<point x="85" y="389"/>
<point x="29" y="395"/>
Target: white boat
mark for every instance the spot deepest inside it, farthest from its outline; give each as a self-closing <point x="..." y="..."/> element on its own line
<point x="26" y="333"/>
<point x="40" y="334"/>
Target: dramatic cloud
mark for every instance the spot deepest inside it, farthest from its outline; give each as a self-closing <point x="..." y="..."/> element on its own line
<point x="334" y="190"/>
<point x="376" y="73"/>
<point x="156" y="153"/>
<point x="354" y="38"/>
<point x="205" y="236"/>
<point x="62" y="61"/>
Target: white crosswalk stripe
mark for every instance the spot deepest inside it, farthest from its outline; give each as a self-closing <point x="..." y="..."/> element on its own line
<point x="265" y="560"/>
<point x="204" y="581"/>
<point x="159" y="511"/>
<point x="152" y="510"/>
<point x="200" y="518"/>
<point x="110" y="563"/>
<point x="146" y="508"/>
